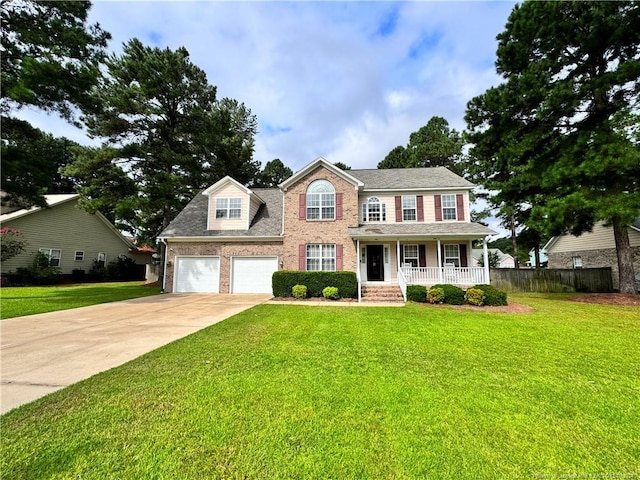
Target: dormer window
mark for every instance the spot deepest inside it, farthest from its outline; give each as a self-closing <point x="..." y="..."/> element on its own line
<point x="228" y="207"/>
<point x="321" y="201"/>
<point x="374" y="211"/>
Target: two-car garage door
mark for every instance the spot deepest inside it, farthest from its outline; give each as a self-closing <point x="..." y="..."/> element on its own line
<point x="202" y="274"/>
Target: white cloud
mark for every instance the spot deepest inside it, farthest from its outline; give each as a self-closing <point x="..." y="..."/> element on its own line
<point x="348" y="81"/>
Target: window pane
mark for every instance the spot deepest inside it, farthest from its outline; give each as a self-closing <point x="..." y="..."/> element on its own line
<point x="448" y="201"/>
<point x="313" y="213"/>
<point x="328" y="213"/>
<point x="221" y="203"/>
<point x="320" y="186"/>
<point x="409" y="202"/>
<point x="79" y="256"/>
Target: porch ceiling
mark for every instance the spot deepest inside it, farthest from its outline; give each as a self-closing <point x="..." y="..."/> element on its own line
<point x="410" y="231"/>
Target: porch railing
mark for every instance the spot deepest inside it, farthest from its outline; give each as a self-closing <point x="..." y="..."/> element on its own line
<point x="452" y="275"/>
<point x="402" y="282"/>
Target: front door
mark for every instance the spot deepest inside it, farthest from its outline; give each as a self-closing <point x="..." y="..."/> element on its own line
<point x="375" y="267"/>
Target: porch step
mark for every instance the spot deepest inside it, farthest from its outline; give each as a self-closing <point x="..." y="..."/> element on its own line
<point x="381" y="293"/>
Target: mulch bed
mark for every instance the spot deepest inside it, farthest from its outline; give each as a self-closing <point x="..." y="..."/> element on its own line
<point x="608" y="298"/>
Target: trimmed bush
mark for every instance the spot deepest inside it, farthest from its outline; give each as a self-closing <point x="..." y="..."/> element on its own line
<point x="416" y="293"/>
<point x="492" y="296"/>
<point x="299" y="291"/>
<point x="283" y="282"/>
<point x="474" y="296"/>
<point x="331" y="293"/>
<point x="452" y="295"/>
<point x="435" y="295"/>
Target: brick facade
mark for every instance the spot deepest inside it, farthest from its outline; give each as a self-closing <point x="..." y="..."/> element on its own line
<point x="301" y="231"/>
<point x="224" y="250"/>
<point x="594" y="259"/>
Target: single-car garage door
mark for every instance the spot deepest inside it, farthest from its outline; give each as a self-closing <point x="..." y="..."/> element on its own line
<point x="197" y="274"/>
<point x="252" y="274"/>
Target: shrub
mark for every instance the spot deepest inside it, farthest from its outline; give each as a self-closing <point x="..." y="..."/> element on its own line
<point x="12" y="243"/>
<point x="452" y="295"/>
<point x="283" y="281"/>
<point x="416" y="293"/>
<point x="493" y="296"/>
<point x="123" y="269"/>
<point x="331" y="293"/>
<point x="435" y="295"/>
<point x="39" y="273"/>
<point x="474" y="296"/>
<point x="299" y="292"/>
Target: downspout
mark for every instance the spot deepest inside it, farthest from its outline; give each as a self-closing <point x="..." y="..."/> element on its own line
<point x="164" y="260"/>
<point x="439" y="247"/>
<point x="485" y="252"/>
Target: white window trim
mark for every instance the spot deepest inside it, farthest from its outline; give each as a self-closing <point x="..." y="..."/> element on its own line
<point x="49" y="253"/>
<point x="78" y="253"/>
<point x="450" y="257"/>
<point x="577" y="261"/>
<point x="226" y="210"/>
<point x="407" y="259"/>
<point x="449" y="208"/>
<point x="366" y="211"/>
<point x="406" y="210"/>
<point x="325" y="202"/>
<point x="325" y="254"/>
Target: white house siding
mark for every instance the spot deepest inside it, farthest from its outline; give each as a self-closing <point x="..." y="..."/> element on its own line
<point x="428" y="201"/>
<point x="67" y="228"/>
<point x="229" y="191"/>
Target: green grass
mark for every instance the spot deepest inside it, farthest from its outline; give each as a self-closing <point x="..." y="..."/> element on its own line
<point x="17" y="301"/>
<point x="288" y="391"/>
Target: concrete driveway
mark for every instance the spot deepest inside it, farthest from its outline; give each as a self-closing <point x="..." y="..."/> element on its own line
<point x="46" y="352"/>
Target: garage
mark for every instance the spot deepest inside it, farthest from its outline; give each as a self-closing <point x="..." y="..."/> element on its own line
<point x="252" y="274"/>
<point x="197" y="274"/>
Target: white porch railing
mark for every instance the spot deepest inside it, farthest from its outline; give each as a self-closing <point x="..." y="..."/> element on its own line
<point x="452" y="275"/>
<point x="402" y="282"/>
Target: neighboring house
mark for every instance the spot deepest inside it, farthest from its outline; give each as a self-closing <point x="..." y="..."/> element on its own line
<point x="69" y="236"/>
<point x="593" y="249"/>
<point x="504" y="259"/>
<point x="544" y="260"/>
<point x="391" y="227"/>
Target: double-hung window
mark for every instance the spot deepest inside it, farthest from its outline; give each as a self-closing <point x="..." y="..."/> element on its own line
<point x="228" y="207"/>
<point x="452" y="255"/>
<point x="374" y="210"/>
<point x="321" y="256"/>
<point x="410" y="254"/>
<point x="78" y="256"/>
<point x="449" y="211"/>
<point x="53" y="255"/>
<point x="321" y="201"/>
<point x="409" y="208"/>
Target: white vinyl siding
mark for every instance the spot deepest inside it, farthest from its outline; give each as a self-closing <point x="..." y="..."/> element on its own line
<point x="240" y="222"/>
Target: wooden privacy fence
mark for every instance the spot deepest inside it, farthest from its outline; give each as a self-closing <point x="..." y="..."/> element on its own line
<point x="593" y="280"/>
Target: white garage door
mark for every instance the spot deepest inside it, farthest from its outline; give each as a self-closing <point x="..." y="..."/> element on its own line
<point x="252" y="274"/>
<point x="197" y="274"/>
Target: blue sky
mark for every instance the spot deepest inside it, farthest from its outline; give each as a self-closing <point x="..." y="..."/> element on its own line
<point x="348" y="81"/>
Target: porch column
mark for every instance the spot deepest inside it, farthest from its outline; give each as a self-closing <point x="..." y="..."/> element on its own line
<point x="398" y="254"/>
<point x="358" y="257"/>
<point x="485" y="253"/>
<point x="439" y="262"/>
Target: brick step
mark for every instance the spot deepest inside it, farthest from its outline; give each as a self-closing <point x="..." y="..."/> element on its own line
<point x="381" y="293"/>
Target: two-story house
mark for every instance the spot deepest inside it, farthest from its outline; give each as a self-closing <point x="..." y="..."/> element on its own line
<point x="395" y="227"/>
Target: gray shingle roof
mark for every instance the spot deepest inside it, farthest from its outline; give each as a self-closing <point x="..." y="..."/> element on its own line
<point x="420" y="229"/>
<point x="399" y="178"/>
<point x="192" y="221"/>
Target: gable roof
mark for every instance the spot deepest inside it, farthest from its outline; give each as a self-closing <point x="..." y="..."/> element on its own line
<point x="192" y="220"/>
<point x="345" y="174"/>
<point x="436" y="178"/>
<point x="226" y="181"/>
<point x="52" y="200"/>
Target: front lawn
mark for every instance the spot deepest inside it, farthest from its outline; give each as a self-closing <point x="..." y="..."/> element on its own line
<point x="17" y="301"/>
<point x="288" y="391"/>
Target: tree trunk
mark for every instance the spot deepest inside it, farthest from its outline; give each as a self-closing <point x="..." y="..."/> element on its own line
<point x="536" y="249"/>
<point x="625" y="259"/>
<point x="514" y="242"/>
